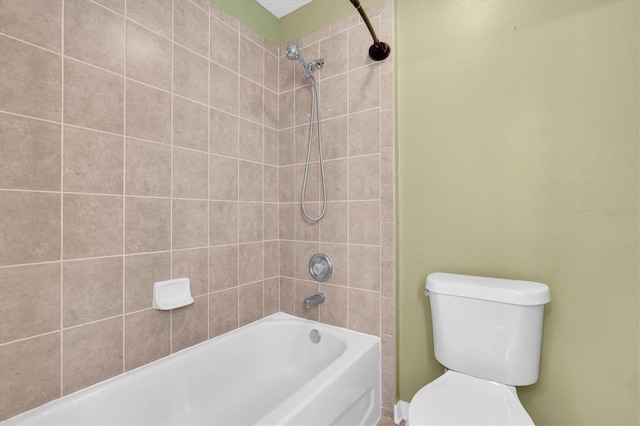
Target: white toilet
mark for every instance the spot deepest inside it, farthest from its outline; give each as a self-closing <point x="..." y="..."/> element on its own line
<point x="487" y="333"/>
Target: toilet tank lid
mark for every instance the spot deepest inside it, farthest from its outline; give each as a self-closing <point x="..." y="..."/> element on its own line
<point x="515" y="292"/>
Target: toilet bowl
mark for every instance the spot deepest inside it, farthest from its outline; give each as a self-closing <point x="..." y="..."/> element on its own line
<point x="487" y="333"/>
<point x="458" y="399"/>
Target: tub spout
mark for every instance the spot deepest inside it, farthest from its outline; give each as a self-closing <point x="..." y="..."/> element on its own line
<point x="316" y="299"/>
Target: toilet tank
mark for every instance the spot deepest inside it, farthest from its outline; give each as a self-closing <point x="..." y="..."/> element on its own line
<point x="489" y="328"/>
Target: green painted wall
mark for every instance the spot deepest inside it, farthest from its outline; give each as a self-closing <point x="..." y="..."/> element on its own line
<point x="252" y="14"/>
<point x="518" y="154"/>
<point x="316" y="15"/>
<point x="311" y="17"/>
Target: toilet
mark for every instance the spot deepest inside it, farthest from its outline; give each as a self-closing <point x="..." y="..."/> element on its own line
<point x="487" y="333"/>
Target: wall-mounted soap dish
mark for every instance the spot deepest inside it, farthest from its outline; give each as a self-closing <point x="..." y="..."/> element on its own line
<point x="172" y="294"/>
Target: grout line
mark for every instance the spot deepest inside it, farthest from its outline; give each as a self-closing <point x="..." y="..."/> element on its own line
<point x="209" y="180"/>
<point x="124" y="192"/>
<point x="171" y="177"/>
<point x="62" y="201"/>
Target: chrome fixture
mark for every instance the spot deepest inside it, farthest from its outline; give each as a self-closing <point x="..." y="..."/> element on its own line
<point x="320" y="267"/>
<point x="316" y="299"/>
<point x="293" y="52"/>
<point x="314" y="336"/>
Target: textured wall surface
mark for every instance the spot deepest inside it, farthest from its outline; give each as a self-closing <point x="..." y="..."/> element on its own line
<point x="518" y="158"/>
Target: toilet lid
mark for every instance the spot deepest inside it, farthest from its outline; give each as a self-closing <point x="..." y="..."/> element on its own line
<point x="457" y="399"/>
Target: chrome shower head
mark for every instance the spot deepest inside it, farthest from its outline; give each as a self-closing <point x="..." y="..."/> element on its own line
<point x="293" y="52"/>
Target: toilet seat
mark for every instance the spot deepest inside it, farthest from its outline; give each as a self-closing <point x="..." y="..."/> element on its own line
<point x="458" y="399"/>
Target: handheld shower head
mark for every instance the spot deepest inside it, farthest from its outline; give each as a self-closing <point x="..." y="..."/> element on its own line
<point x="293" y="52"/>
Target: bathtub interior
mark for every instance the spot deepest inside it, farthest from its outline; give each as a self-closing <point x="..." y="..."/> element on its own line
<point x="267" y="371"/>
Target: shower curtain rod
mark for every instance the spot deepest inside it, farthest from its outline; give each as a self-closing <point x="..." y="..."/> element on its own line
<point x="379" y="50"/>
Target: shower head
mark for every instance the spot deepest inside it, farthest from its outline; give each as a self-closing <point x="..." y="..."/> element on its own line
<point x="293" y="52"/>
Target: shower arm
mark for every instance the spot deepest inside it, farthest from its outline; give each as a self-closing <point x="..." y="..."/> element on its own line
<point x="379" y="50"/>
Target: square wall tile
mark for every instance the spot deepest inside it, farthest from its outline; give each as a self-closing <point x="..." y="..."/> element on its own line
<point x="148" y="113"/>
<point x="287" y="295"/>
<point x="251" y="303"/>
<point x="364" y="267"/>
<point x="87" y="25"/>
<point x="147" y="337"/>
<point x="224" y="44"/>
<point x="223" y="222"/>
<point x="250" y="185"/>
<point x="191" y="27"/>
<point x="92" y="290"/>
<point x="34" y="21"/>
<point x="30" y="152"/>
<point x="147" y="224"/>
<point x="251" y="257"/>
<point x="30" y="371"/>
<point x="153" y="14"/>
<point x="30" y="302"/>
<point x="251" y="64"/>
<point x="224" y="133"/>
<point x="364" y="88"/>
<point x="30" y="229"/>
<point x="92" y="226"/>
<point x="335" y="310"/>
<point x="190" y="223"/>
<point x="364" y="133"/>
<point x="192" y="264"/>
<point x="271" y="185"/>
<point x="190" y="124"/>
<point x="92" y="353"/>
<point x="335" y="94"/>
<point x="335" y="138"/>
<point x="31" y="80"/>
<point x="190" y="174"/>
<point x="190" y="75"/>
<point x="93" y="161"/>
<point x="271" y="296"/>
<point x="223" y="312"/>
<point x="364" y="177"/>
<point x="223" y="267"/>
<point x="271" y="259"/>
<point x="250" y="141"/>
<point x="251" y="100"/>
<point x="190" y="324"/>
<point x="250" y="222"/>
<point x="364" y="311"/>
<point x="271" y="220"/>
<point x="271" y="147"/>
<point x="140" y="272"/>
<point x="148" y="169"/>
<point x="223" y="178"/>
<point x="148" y="57"/>
<point x="223" y="89"/>
<point x="364" y="222"/>
<point x="93" y="98"/>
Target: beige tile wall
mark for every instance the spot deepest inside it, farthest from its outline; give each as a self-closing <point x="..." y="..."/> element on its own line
<point x="357" y="232"/>
<point x="138" y="142"/>
<point x="146" y="140"/>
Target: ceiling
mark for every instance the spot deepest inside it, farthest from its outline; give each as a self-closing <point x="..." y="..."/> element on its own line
<point x="279" y="8"/>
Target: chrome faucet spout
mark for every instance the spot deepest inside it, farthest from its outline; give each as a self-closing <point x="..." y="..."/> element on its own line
<point x="316" y="299"/>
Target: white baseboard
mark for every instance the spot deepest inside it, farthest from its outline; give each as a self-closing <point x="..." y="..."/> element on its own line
<point x="401" y="412"/>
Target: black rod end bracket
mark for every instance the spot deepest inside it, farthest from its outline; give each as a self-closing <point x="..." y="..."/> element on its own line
<point x="379" y="51"/>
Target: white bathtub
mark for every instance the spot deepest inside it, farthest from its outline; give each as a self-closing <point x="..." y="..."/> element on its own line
<point x="266" y="373"/>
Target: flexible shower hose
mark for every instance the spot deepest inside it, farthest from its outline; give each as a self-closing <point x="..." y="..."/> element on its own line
<point x="315" y="112"/>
